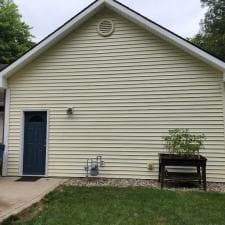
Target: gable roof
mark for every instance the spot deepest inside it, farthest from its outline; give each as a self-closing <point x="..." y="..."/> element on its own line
<point x="122" y="10"/>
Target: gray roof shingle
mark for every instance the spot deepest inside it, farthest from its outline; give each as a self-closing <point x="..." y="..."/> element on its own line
<point x="2" y="66"/>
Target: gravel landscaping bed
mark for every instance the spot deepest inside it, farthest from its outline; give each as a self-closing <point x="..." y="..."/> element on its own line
<point x="90" y="182"/>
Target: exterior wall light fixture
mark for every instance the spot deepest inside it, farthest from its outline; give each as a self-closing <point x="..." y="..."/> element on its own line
<point x="69" y="111"/>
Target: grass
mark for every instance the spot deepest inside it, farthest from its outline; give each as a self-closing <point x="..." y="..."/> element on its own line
<point x="124" y="206"/>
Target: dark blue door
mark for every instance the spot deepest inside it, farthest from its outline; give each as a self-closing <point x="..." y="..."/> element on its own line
<point x="34" y="155"/>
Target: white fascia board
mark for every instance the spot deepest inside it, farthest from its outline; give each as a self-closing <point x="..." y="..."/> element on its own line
<point x="50" y="41"/>
<point x="166" y="35"/>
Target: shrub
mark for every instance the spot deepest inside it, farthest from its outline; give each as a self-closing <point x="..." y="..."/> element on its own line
<point x="182" y="142"/>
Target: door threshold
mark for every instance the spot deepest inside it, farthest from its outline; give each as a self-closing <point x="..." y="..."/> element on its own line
<point x="40" y="176"/>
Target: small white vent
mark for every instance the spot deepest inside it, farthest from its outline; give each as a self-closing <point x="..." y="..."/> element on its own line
<point x="105" y="27"/>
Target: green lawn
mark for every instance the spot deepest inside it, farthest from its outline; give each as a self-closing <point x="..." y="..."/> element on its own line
<point x="129" y="206"/>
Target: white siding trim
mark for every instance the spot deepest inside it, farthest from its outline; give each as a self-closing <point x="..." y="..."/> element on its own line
<point x="22" y="141"/>
<point x="168" y="36"/>
<point x="47" y="136"/>
<point x="122" y="10"/>
<point x="50" y="41"/>
<point x="6" y="132"/>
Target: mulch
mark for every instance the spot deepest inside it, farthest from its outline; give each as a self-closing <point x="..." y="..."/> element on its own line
<point x="123" y="183"/>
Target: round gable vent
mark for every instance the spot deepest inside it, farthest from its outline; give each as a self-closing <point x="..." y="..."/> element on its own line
<point x="105" y="27"/>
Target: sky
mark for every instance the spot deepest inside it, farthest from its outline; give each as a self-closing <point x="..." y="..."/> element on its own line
<point x="180" y="16"/>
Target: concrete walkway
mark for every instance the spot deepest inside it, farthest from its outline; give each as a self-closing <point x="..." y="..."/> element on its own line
<point x="15" y="195"/>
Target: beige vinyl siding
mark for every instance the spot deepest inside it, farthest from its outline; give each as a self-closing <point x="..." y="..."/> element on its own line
<point x="127" y="90"/>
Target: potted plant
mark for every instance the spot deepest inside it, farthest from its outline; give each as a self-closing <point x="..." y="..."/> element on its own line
<point x="184" y="148"/>
<point x="182" y="143"/>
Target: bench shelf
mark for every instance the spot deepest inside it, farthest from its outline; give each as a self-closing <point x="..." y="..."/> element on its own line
<point x="199" y="162"/>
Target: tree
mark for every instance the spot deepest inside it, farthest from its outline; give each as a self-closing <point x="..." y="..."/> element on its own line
<point x="211" y="37"/>
<point x="15" y="37"/>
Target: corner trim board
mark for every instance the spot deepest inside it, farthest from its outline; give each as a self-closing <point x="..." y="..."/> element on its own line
<point x="6" y="132"/>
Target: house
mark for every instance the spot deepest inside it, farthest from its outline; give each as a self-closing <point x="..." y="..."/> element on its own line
<point x="110" y="82"/>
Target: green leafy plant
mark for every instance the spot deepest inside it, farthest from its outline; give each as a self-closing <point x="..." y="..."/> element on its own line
<point x="182" y="142"/>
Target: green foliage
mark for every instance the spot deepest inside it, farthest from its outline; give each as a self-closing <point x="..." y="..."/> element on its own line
<point x="212" y="34"/>
<point x="15" y="37"/>
<point x="182" y="142"/>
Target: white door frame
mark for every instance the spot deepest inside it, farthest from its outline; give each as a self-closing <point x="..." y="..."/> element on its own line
<point x="22" y="141"/>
